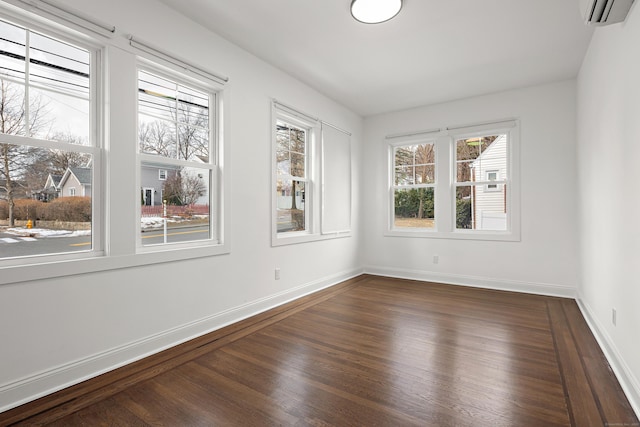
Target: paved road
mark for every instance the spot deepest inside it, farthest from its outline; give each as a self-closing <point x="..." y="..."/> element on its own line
<point x="15" y="246"/>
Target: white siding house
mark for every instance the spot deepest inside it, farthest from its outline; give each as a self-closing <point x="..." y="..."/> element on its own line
<point x="489" y="202"/>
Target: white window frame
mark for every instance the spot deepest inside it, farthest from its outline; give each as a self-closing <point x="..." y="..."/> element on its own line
<point x="162" y="175"/>
<point x="445" y="190"/>
<point x="213" y="166"/>
<point x="114" y="129"/>
<point x="393" y="147"/>
<point x="311" y="125"/>
<point x="68" y="34"/>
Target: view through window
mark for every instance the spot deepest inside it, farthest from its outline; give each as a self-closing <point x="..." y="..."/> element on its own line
<point x="413" y="186"/>
<point x="47" y="152"/>
<point x="481" y="188"/>
<point x="291" y="171"/>
<point x="176" y="165"/>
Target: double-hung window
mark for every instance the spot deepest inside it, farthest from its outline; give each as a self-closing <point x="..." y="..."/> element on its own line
<point x="311" y="185"/>
<point x="291" y="179"/>
<point x="481" y="182"/>
<point x="414" y="182"/>
<point x="463" y="183"/>
<point x="177" y="159"/>
<point x="49" y="145"/>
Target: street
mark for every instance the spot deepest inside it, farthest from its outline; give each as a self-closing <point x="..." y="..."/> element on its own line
<point x="16" y="246"/>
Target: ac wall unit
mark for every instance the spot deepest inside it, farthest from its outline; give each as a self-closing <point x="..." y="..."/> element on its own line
<point x="605" y="12"/>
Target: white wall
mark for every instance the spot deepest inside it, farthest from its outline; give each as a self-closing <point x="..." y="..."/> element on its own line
<point x="609" y="195"/>
<point x="55" y="332"/>
<point x="546" y="258"/>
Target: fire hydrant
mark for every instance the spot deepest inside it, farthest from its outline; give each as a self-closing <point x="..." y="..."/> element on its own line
<point x="29" y="224"/>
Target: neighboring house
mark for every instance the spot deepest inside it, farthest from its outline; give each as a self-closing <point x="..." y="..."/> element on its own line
<point x="76" y="182"/>
<point x="153" y="177"/>
<point x="51" y="189"/>
<point x="489" y="202"/>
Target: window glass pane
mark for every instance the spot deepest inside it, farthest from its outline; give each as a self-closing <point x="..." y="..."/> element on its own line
<point x="475" y="155"/>
<point x="58" y="117"/>
<point x="414" y="208"/>
<point x="290" y="205"/>
<point x="290" y="138"/>
<point x="405" y="175"/>
<point x="194" y="144"/>
<point x="425" y="174"/>
<point x="157" y="136"/>
<point x="479" y="209"/>
<point x="12" y="111"/>
<point x="177" y="208"/>
<point x="51" y="198"/>
<point x="12" y="51"/>
<point x="297" y="165"/>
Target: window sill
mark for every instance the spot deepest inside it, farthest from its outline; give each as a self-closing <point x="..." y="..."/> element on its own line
<point x="505" y="236"/>
<point x="305" y="238"/>
<point x="61" y="266"/>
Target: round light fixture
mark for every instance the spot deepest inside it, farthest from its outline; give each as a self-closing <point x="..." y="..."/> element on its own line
<point x="375" y="11"/>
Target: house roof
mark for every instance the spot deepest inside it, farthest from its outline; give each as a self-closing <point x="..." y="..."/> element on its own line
<point x="83" y="175"/>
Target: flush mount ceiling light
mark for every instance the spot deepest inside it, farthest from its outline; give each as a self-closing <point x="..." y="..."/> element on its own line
<point x="375" y="11"/>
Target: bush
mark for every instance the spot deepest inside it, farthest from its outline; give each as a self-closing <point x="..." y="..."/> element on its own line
<point x="68" y="209"/>
<point x="407" y="203"/>
<point x="463" y="213"/>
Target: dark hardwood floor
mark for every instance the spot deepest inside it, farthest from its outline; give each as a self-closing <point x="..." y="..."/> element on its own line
<point x="371" y="351"/>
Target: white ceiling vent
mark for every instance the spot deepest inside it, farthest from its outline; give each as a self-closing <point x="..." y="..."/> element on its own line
<point x="605" y="12"/>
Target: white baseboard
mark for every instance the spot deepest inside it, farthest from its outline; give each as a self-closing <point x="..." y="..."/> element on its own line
<point x="629" y="383"/>
<point x="477" y="282"/>
<point x="26" y="389"/>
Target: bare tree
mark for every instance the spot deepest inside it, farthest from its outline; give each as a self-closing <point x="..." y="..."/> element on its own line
<point x="157" y="138"/>
<point x="182" y="188"/>
<point x="13" y="121"/>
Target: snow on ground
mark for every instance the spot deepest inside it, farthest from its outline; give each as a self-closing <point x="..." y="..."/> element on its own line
<point x="145" y="224"/>
<point x="153" y="222"/>
<point x="44" y="232"/>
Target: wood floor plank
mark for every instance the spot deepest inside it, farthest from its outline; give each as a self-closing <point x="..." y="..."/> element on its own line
<point x="376" y="352"/>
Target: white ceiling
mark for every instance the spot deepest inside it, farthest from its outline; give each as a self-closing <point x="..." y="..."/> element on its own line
<point x="433" y="51"/>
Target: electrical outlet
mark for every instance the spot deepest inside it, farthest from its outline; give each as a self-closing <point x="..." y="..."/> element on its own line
<point x="614" y="316"/>
<point x="436" y="258"/>
<point x="277" y="274"/>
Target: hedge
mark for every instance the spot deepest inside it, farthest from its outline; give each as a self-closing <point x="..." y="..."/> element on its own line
<point x="71" y="209"/>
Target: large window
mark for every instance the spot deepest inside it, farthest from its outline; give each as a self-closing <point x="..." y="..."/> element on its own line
<point x="291" y="171"/>
<point x="49" y="153"/>
<point x="460" y="183"/>
<point x="481" y="197"/>
<point x="311" y="186"/>
<point x="176" y="120"/>
<point x="414" y="185"/>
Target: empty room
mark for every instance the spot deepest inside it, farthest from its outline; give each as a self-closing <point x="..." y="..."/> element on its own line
<point x="323" y="213"/>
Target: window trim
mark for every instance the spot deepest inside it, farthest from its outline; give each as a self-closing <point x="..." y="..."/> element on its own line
<point x="445" y="193"/>
<point x="393" y="146"/>
<point x="69" y="34"/>
<point x="111" y="251"/>
<point x="311" y="125"/>
<point x="216" y="205"/>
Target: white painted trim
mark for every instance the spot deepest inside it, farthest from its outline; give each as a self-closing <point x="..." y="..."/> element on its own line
<point x="548" y="289"/>
<point x="629" y="383"/>
<point x="29" y="388"/>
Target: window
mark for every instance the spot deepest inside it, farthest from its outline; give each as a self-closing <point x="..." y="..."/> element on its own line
<point x="311" y="185"/>
<point x="48" y="143"/>
<point x="177" y="159"/>
<point x="481" y="198"/>
<point x="291" y="177"/>
<point x="414" y="186"/>
<point x="460" y="183"/>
